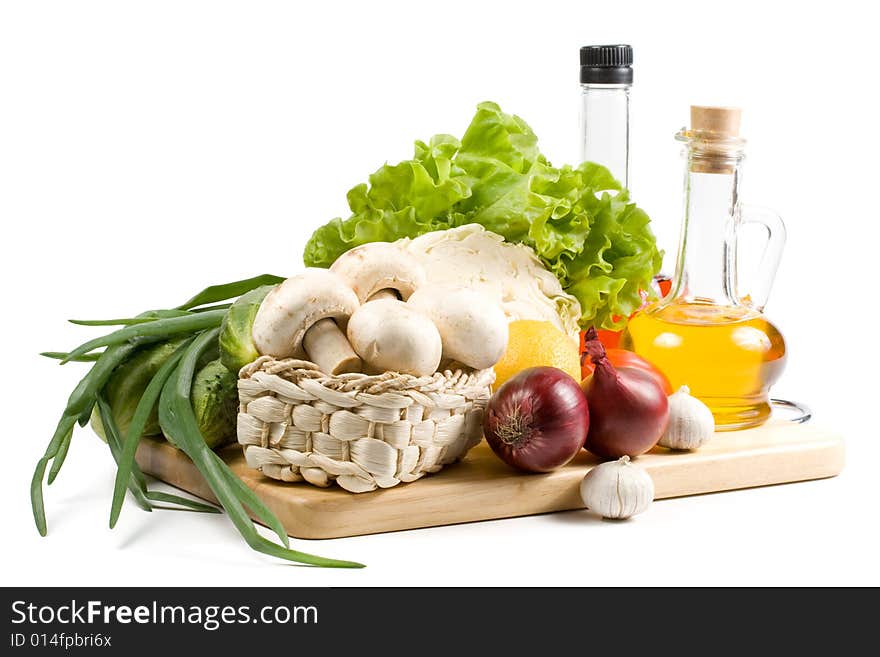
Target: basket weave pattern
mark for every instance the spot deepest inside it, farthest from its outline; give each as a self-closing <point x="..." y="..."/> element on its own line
<point x="297" y="423"/>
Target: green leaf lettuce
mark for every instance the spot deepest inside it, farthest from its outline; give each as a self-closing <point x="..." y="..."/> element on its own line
<point x="579" y="220"/>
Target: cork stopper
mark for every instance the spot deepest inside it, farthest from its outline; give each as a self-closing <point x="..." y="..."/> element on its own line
<point x="723" y="121"/>
<point x="714" y="139"/>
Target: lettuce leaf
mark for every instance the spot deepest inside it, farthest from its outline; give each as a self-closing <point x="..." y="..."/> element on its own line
<point x="579" y="220"/>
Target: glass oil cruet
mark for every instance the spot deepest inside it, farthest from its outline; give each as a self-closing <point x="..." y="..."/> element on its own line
<point x="706" y="333"/>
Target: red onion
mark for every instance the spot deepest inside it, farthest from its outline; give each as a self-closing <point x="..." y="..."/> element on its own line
<point x="537" y="421"/>
<point x="628" y="408"/>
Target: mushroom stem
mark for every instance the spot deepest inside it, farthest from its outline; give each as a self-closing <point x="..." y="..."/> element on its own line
<point x="327" y="347"/>
<point x="387" y="293"/>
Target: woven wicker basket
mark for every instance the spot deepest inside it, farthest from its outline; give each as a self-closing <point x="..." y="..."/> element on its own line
<point x="297" y="423"/>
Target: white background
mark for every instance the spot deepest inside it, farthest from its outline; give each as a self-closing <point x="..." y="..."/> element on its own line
<point x="149" y="149"/>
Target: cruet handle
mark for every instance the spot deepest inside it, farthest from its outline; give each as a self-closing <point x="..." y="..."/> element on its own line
<point x="756" y="297"/>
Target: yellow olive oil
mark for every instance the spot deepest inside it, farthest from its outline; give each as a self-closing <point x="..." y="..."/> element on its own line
<point x="728" y="356"/>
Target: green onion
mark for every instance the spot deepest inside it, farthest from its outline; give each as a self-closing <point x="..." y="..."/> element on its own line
<point x="56" y="450"/>
<point x="204" y="309"/>
<point x="249" y="498"/>
<point x="126" y="460"/>
<point x="58" y="460"/>
<point x="62" y="432"/>
<point x="216" y="293"/>
<point x="114" y="442"/>
<point x="143" y="318"/>
<point x="170" y="388"/>
<point x="79" y="406"/>
<point x="82" y="400"/>
<point x="159" y="328"/>
<point x="136" y="482"/>
<point x="85" y="392"/>
<point x="186" y="504"/>
<point x="177" y="419"/>
<point x="61" y="355"/>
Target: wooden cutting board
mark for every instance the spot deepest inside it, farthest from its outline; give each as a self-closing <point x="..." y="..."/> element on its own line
<point x="481" y="487"/>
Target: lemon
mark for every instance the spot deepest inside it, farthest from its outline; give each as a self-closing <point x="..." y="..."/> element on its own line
<point x="532" y="343"/>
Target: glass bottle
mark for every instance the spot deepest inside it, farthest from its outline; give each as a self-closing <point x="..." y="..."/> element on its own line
<point x="706" y="333"/>
<point x="606" y="79"/>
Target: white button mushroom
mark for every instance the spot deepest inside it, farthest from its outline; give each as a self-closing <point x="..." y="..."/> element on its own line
<point x="297" y="319"/>
<point x="379" y="270"/>
<point x="472" y="326"/>
<point x="390" y="335"/>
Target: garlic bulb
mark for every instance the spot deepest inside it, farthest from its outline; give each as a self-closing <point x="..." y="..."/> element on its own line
<point x="617" y="489"/>
<point x="691" y="424"/>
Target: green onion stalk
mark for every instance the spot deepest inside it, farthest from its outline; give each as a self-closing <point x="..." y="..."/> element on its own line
<point x="166" y="360"/>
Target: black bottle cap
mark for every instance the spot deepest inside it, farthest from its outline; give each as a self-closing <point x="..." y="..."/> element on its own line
<point x="607" y="64"/>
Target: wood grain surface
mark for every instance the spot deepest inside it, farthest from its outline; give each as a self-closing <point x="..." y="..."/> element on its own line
<point x="482" y="488"/>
